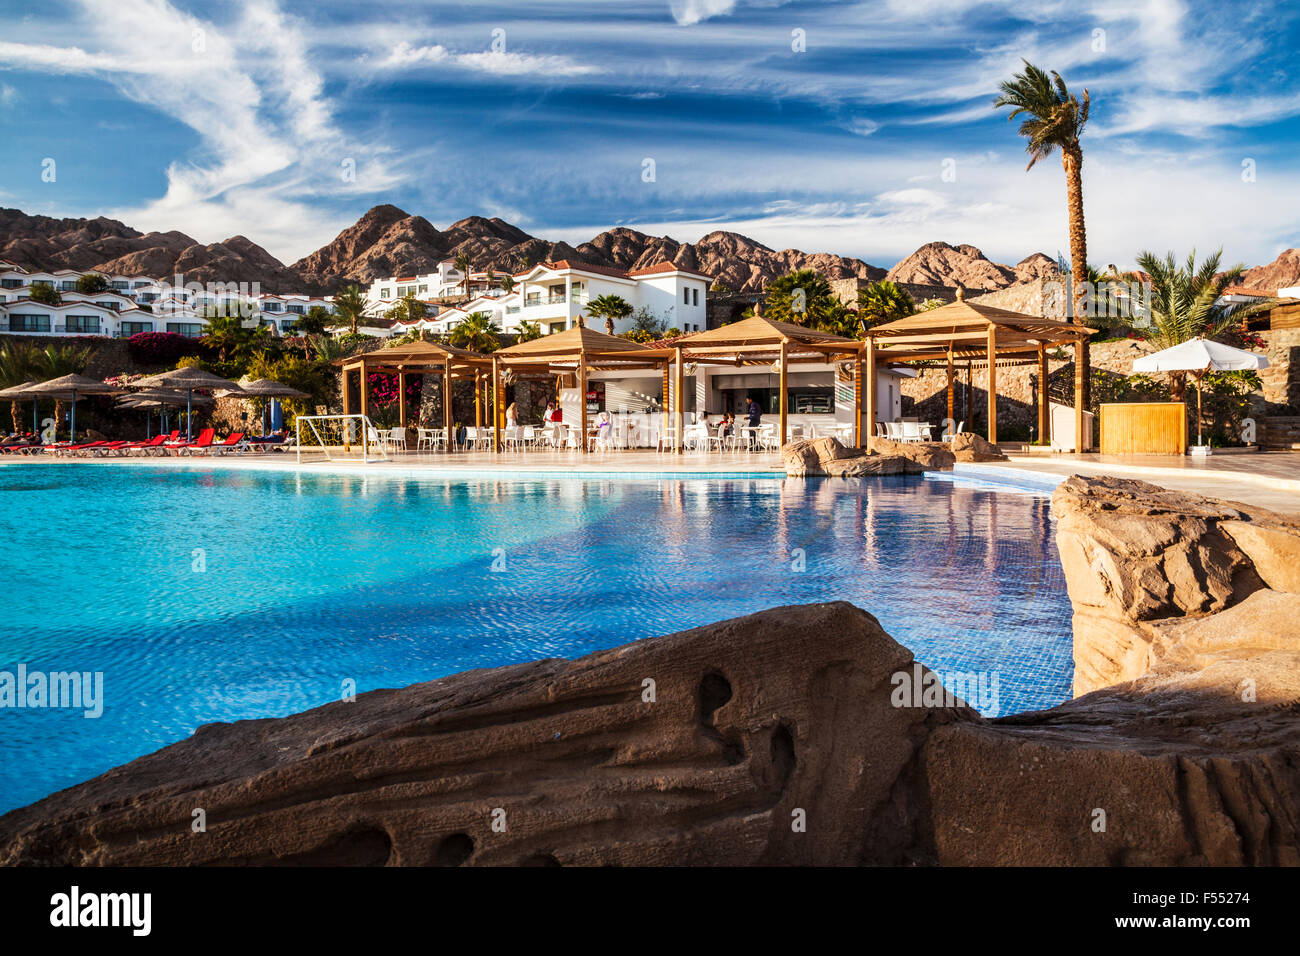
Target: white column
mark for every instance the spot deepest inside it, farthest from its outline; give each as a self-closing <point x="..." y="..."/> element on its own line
<point x="568" y="304"/>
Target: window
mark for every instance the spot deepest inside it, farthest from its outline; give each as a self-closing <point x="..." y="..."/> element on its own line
<point x="135" y="328"/>
<point x="29" y="323"/>
<point x="114" y="306"/>
<point x="385" y="293"/>
<point x="81" y="323"/>
<point x="695" y="295"/>
<point x="296" y="309"/>
<point x="66" y="286"/>
<point x="119" y="284"/>
<point x="10" y="283"/>
<point x="272" y="307"/>
<point x="191" y="330"/>
<point x="686" y="297"/>
<point x="423" y="289"/>
<point x="286" y="325"/>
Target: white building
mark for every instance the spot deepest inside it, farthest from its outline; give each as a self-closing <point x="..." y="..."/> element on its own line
<point x="134" y="304"/>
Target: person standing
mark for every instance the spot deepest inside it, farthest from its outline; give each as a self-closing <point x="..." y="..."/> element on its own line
<point x="755" y="416"/>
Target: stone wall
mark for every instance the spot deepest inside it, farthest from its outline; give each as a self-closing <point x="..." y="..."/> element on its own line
<point x="1281" y="380"/>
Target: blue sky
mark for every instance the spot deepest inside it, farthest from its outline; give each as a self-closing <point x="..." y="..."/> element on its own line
<point x="825" y="126"/>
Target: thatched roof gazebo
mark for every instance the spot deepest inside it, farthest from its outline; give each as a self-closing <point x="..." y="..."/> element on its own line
<point x="973" y="332"/>
<point x="419" y="358"/>
<point x="576" y="351"/>
<point x="763" y="341"/>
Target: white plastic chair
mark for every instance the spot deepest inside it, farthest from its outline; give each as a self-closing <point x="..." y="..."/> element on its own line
<point x="911" y="431"/>
<point x="396" y="438"/>
<point x="767" y="437"/>
<point x="667" y="438"/>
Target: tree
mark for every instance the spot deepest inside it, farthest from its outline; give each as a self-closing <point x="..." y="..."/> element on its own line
<point x="46" y="294"/>
<point x="350" y="304"/>
<point x="508" y="283"/>
<point x="478" y="331"/>
<point x="462" y="266"/>
<point x="92" y="283"/>
<point x="529" y="331"/>
<point x="1181" y="304"/>
<point x="17" y="365"/>
<point x="804" y="297"/>
<point x="609" y="306"/>
<point x="1053" y="120"/>
<point x="408" y="310"/>
<point x="55" y="361"/>
<point x="883" y="302"/>
<point x="315" y="322"/>
<point x="646" y="323"/>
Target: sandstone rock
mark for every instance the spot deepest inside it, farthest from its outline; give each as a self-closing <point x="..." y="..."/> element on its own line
<point x="750" y="720"/>
<point x="967" y="446"/>
<point x="938" y="263"/>
<point x="821" y="457"/>
<point x="932" y="455"/>
<point x="1141" y="562"/>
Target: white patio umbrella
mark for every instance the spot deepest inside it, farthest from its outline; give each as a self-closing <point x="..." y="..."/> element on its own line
<point x="1199" y="356"/>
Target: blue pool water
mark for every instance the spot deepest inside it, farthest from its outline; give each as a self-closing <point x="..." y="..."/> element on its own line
<point x="218" y="595"/>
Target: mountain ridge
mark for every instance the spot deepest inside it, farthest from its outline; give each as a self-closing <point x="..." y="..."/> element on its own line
<point x="388" y="241"/>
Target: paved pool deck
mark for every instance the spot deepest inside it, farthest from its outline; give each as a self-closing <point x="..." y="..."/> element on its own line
<point x="1263" y="479"/>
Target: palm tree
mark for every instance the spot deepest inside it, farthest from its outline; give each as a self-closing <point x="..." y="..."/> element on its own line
<point x="55" y="361"/>
<point x="609" y="307"/>
<point x="462" y="266"/>
<point x="529" y="331"/>
<point x="882" y="302"/>
<point x="1181" y="304"/>
<point x="478" y="332"/>
<point x="1054" y="119"/>
<point x="17" y="365"/>
<point x="507" y="283"/>
<point x="350" y="304"/>
<point x="408" y="310"/>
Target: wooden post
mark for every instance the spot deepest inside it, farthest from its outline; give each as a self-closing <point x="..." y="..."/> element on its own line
<point x="679" y="415"/>
<point x="496" y="405"/>
<point x="857" y="405"/>
<point x="993" y="383"/>
<point x="448" y="420"/>
<point x="869" y="388"/>
<point x="1044" y="400"/>
<point x="666" y="391"/>
<point x="1080" y="377"/>
<point x="582" y="400"/>
<point x="785" y="393"/>
<point x="970" y="395"/>
<point x="478" y="399"/>
<point x="347" y="394"/>
<point x="401" y="399"/>
<point x="952" y="410"/>
<point x="365" y="387"/>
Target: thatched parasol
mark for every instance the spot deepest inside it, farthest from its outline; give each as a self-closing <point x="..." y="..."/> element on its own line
<point x="265" y="388"/>
<point x="187" y="380"/>
<point x="19" y="393"/>
<point x="161" y="397"/>
<point x="68" y="387"/>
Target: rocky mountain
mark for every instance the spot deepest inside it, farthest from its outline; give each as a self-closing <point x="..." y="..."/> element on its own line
<point x="937" y="263"/>
<point x="106" y="245"/>
<point x="1282" y="272"/>
<point x="388" y="241"/>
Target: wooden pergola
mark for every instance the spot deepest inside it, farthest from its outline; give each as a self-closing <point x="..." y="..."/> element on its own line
<point x="418" y="358"/>
<point x="763" y="341"/>
<point x="972" y="332"/>
<point x="576" y="351"/>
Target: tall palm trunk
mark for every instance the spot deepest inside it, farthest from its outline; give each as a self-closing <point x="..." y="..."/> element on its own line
<point x="1072" y="161"/>
<point x="14" y="415"/>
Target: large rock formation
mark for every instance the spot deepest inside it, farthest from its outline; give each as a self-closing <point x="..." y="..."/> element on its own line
<point x="938" y="263"/>
<point x="713" y="746"/>
<point x="1159" y="576"/>
<point x="967" y="447"/>
<point x="829" y="457"/>
<point x="1281" y="273"/>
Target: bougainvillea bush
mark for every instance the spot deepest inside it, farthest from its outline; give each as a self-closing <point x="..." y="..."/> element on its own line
<point x="160" y="348"/>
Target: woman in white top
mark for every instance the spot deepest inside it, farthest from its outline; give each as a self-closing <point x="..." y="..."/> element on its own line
<point x="512" y="415"/>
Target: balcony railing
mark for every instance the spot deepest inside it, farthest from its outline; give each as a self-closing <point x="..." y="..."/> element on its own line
<point x="79" y="329"/>
<point x="576" y="298"/>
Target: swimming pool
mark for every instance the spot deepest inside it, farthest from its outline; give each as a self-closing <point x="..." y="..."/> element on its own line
<point x="214" y="595"/>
